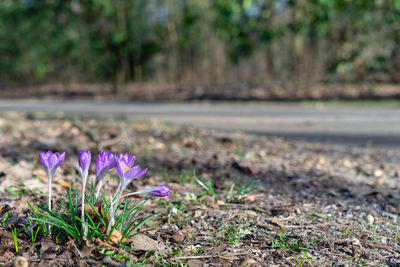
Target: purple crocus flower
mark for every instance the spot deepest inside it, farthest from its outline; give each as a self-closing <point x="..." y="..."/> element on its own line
<point x="51" y="161"/>
<point x="84" y="158"/>
<point x="125" y="158"/>
<point x="126" y="172"/>
<point x="155" y="191"/>
<point x="105" y="161"/>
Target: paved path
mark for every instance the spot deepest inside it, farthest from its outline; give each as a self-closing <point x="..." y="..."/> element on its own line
<point x="346" y="125"/>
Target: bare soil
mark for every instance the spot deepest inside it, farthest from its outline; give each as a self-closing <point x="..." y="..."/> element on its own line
<point x="317" y="205"/>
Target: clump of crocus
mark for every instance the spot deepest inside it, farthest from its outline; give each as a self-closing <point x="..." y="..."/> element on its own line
<point x="84" y="159"/>
<point x="126" y="170"/>
<point x="105" y="161"/>
<point x="51" y="161"/>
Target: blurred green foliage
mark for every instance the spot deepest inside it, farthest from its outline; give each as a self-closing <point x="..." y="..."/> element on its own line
<point x="168" y="40"/>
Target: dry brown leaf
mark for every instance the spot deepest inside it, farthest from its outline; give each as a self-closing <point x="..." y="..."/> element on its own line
<point x="63" y="183"/>
<point x="251" y="198"/>
<point x="220" y="202"/>
<point x="116" y="237"/>
<point x="195" y="263"/>
<point x="40" y="173"/>
<point x="92" y="213"/>
<point x="144" y="243"/>
<point x="179" y="236"/>
<point x="248" y="261"/>
<point x="276" y="221"/>
<point x="4" y="208"/>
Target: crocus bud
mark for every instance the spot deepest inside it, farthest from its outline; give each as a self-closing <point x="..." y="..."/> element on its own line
<point x="156" y="191"/>
<point x="84" y="159"/>
<point x="51" y="161"/>
<point x="105" y="161"/>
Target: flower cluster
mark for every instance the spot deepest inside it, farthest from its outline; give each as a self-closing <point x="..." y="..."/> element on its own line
<point x="127" y="172"/>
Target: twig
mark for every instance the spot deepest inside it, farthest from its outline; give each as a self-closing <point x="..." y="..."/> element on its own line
<point x="224" y="257"/>
<point x="257" y="208"/>
<point x="306" y="226"/>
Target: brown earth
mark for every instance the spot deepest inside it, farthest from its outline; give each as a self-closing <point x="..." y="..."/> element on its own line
<point x="317" y="205"/>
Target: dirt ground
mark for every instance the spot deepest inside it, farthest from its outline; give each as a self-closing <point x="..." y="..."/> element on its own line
<point x="315" y="205"/>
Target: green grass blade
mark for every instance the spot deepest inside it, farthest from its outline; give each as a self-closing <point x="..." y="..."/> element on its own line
<point x="132" y="232"/>
<point x="97" y="213"/>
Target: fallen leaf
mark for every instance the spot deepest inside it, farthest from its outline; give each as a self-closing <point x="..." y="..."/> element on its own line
<point x="195" y="263"/>
<point x="64" y="183"/>
<point x="144" y="243"/>
<point x="248" y="168"/>
<point x="179" y="236"/>
<point x="247" y="262"/>
<point x="40" y="173"/>
<point x="276" y="221"/>
<point x="116" y="237"/>
<point x="4" y="208"/>
<point x="220" y="202"/>
<point x="250" y="198"/>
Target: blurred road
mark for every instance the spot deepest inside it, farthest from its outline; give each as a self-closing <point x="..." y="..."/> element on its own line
<point x="333" y="124"/>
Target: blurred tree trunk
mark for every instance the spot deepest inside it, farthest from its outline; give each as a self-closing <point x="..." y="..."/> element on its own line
<point x="120" y="57"/>
<point x="119" y="82"/>
<point x="173" y="55"/>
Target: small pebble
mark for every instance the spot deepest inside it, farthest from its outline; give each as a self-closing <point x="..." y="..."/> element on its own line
<point x="356" y="242"/>
<point x="370" y="219"/>
<point x="378" y="173"/>
<point x="20" y="262"/>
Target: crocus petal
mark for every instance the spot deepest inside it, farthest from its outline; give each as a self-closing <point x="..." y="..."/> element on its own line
<point x="159" y="191"/>
<point x="141" y="173"/>
<point x="43" y="160"/>
<point x="121" y="167"/>
<point x="155" y="191"/>
<point x="126" y="172"/>
<point x="52" y="161"/>
<point x="131" y="161"/>
<point x="84" y="158"/>
<point x="125" y="157"/>
<point x="111" y="163"/>
<point x="130" y="174"/>
<point x="61" y="159"/>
